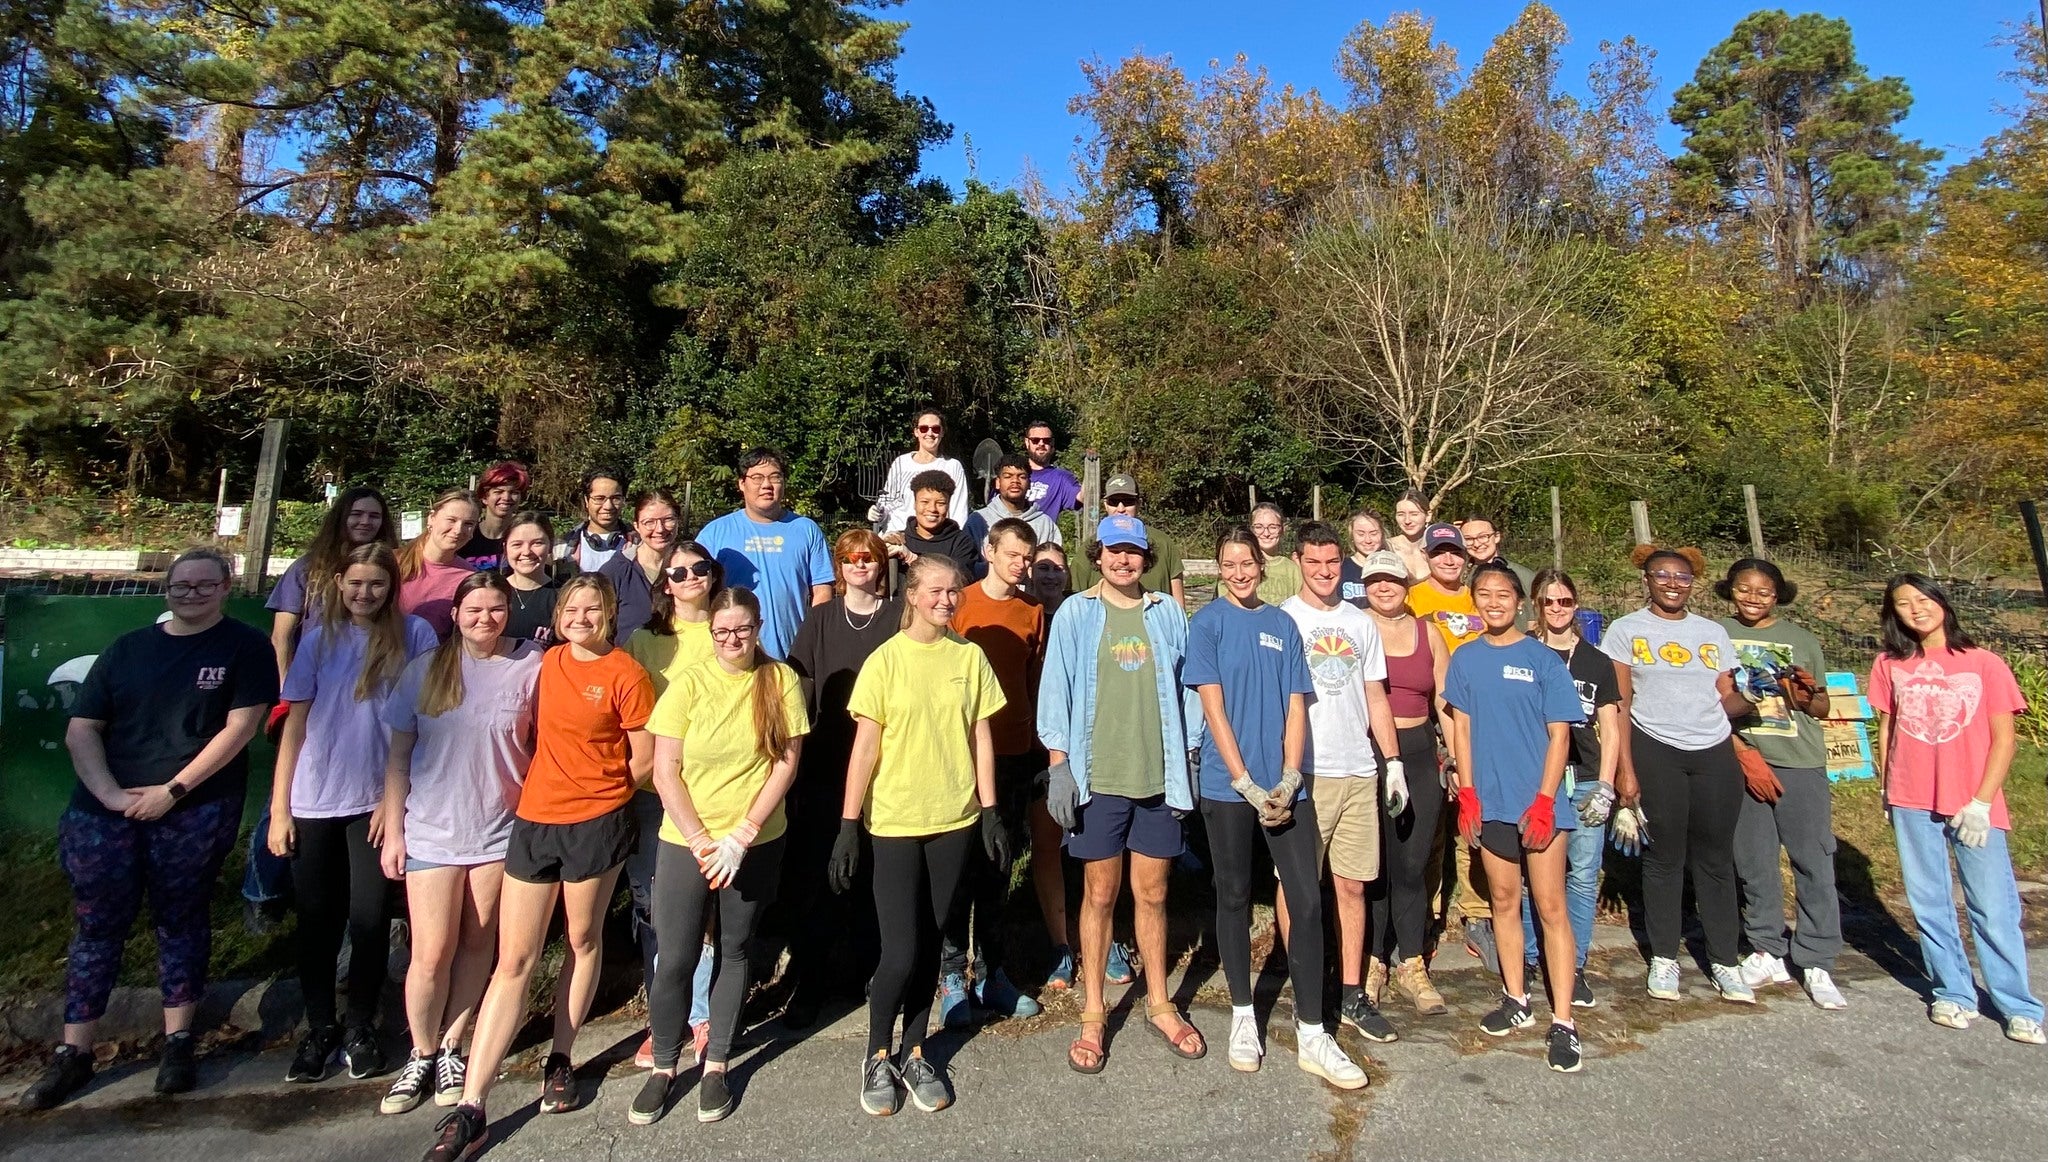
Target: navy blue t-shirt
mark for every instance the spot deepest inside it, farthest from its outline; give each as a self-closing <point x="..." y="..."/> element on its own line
<point x="1257" y="657"/>
<point x="1512" y="694"/>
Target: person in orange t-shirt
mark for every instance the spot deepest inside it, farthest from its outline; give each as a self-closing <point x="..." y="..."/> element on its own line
<point x="573" y="831"/>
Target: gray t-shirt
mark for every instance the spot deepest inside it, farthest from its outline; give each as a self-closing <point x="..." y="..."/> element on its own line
<point x="469" y="763"/>
<point x="1786" y="737"/>
<point x="1674" y="666"/>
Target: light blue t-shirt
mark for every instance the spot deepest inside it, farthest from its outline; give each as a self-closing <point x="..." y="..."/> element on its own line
<point x="779" y="560"/>
<point x="340" y="771"/>
<point x="1512" y="694"/>
<point x="1256" y="656"/>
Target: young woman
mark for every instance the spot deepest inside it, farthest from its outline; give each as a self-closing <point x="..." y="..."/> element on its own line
<point x="1401" y="899"/>
<point x="1282" y="575"/>
<point x="573" y="831"/>
<point x="461" y="723"/>
<point x="501" y="492"/>
<point x="832" y="645"/>
<point x="893" y="509"/>
<point x="922" y="773"/>
<point x="530" y="572"/>
<point x="1676" y="671"/>
<point x="636" y="572"/>
<point x="324" y="796"/>
<point x="1514" y="705"/>
<point x="1049" y="577"/>
<point x="429" y="568"/>
<point x="158" y="737"/>
<point x="1945" y="746"/>
<point x="602" y="532"/>
<point x="1411" y="515"/>
<point x="1245" y="661"/>
<point x="1368" y="536"/>
<point x="1784" y="756"/>
<point x="726" y="737"/>
<point x="1589" y="769"/>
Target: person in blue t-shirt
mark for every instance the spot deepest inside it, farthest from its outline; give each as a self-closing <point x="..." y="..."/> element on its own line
<point x="765" y="547"/>
<point x="1246" y="663"/>
<point x="1513" y="706"/>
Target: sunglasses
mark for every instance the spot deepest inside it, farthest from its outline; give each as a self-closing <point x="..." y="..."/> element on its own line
<point x="1038" y="439"/>
<point x="929" y="429"/>
<point x="1560" y="602"/>
<point x="863" y="557"/>
<point x="677" y="573"/>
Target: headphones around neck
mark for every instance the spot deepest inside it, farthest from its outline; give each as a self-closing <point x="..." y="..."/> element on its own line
<point x="610" y="542"/>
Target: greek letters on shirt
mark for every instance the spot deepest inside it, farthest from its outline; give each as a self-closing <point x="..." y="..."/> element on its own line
<point x="594" y="695"/>
<point x="1673" y="654"/>
<point x="212" y="677"/>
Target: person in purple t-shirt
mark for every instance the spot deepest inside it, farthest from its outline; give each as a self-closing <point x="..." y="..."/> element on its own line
<point x="1054" y="490"/>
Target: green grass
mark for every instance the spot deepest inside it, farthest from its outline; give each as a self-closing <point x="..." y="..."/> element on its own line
<point x="1865" y="837"/>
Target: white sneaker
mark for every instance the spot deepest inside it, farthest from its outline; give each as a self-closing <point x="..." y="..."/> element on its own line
<point x="1821" y="987"/>
<point x="1728" y="980"/>
<point x="1663" y="978"/>
<point x="2025" y="1030"/>
<point x="1320" y="1054"/>
<point x="1951" y="1014"/>
<point x="1761" y="968"/>
<point x="1245" y="1047"/>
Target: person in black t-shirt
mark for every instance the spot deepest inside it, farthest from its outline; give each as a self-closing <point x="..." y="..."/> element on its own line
<point x="530" y="568"/>
<point x="500" y="493"/>
<point x="159" y="738"/>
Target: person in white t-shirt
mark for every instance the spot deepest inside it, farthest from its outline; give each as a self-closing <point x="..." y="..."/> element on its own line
<point x="892" y="509"/>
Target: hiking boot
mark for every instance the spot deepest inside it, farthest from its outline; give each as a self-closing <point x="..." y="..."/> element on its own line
<point x="558" y="1092"/>
<point x="415" y="1079"/>
<point x="1319" y="1053"/>
<point x="316" y="1049"/>
<point x="1358" y="1011"/>
<point x="955" y="1011"/>
<point x="1375" y="980"/>
<point x="714" y="1096"/>
<point x="1729" y="983"/>
<point x="1663" y="983"/>
<point x="1412" y="978"/>
<point x="926" y="1085"/>
<point x="1563" y="1050"/>
<point x="1506" y="1017"/>
<point x="1582" y="993"/>
<point x="880" y="1094"/>
<point x="1761" y="968"/>
<point x="362" y="1054"/>
<point x="998" y="994"/>
<point x="652" y="1101"/>
<point x="460" y="1134"/>
<point x="177" y="1072"/>
<point x="1820" y="986"/>
<point x="70" y="1069"/>
<point x="450" y="1071"/>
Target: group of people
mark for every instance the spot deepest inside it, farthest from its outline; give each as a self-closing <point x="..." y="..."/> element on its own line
<point x="504" y="720"/>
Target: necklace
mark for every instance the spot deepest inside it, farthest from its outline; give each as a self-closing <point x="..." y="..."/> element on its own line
<point x="862" y="627"/>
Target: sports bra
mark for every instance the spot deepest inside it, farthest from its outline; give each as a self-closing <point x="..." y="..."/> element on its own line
<point x="1411" y="680"/>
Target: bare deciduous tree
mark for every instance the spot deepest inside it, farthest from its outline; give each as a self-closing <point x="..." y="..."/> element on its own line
<point x="1842" y="358"/>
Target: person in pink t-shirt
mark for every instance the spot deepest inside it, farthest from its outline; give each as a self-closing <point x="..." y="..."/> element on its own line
<point x="429" y="567"/>
<point x="1945" y="744"/>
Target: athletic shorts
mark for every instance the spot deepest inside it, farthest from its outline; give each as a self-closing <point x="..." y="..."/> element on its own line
<point x="1348" y="817"/>
<point x="1106" y="826"/>
<point x="1502" y="839"/>
<point x="568" y="853"/>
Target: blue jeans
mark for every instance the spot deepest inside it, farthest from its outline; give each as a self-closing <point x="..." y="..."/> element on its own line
<point x="1989" y="894"/>
<point x="267" y="878"/>
<point x="1581" y="881"/>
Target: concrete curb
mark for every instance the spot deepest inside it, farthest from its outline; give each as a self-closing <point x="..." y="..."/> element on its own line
<point x="269" y="1007"/>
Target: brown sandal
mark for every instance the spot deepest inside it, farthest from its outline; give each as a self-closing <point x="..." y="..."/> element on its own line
<point x="1179" y="1044"/>
<point x="1099" y="1019"/>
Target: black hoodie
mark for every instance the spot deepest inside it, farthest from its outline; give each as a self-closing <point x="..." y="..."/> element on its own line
<point x="949" y="541"/>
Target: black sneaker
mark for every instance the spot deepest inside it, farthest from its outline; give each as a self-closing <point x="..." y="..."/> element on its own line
<point x="70" y="1069"/>
<point x="1362" y="1015"/>
<point x="362" y="1053"/>
<point x="1582" y="993"/>
<point x="415" y="1079"/>
<point x="558" y="1092"/>
<point x="1511" y="1015"/>
<point x="714" y="1096"/>
<point x="450" y="1071"/>
<point x="879" y="1093"/>
<point x="927" y="1087"/>
<point x="458" y="1135"/>
<point x="652" y="1101"/>
<point x="1564" y="1049"/>
<point x="316" y="1049"/>
<point x="178" y="1072"/>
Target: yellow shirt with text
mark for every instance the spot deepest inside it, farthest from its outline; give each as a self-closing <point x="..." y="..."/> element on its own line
<point x="926" y="698"/>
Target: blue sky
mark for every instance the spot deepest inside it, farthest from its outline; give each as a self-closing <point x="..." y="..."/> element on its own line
<point x="1001" y="73"/>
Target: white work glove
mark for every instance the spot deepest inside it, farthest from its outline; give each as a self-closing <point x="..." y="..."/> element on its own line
<point x="1972" y="824"/>
<point x="874" y="514"/>
<point x="1630" y="832"/>
<point x="1599" y="805"/>
<point x="1279" y="806"/>
<point x="1394" y="786"/>
<point x="723" y="863"/>
<point x="1252" y="792"/>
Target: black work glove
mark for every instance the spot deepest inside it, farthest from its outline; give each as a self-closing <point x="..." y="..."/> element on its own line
<point x="845" y="861"/>
<point x="995" y="839"/>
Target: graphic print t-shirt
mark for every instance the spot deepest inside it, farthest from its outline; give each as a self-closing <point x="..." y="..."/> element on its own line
<point x="1453" y="615"/>
<point x="1129" y="757"/>
<point x="779" y="560"/>
<point x="1593" y="675"/>
<point x="1343" y="654"/>
<point x="1941" y="707"/>
<point x="1786" y="737"/>
<point x="1675" y="667"/>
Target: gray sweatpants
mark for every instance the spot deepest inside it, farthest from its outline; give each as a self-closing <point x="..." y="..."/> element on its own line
<point x="1802" y="822"/>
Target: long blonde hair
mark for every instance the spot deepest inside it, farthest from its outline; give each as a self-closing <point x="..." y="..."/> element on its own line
<point x="441" y="688"/>
<point x="384" y="658"/>
<point x="412" y="560"/>
<point x="771" y="729"/>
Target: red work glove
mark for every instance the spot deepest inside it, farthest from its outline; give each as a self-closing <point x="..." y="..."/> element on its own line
<point x="1539" y="823"/>
<point x="1763" y="782"/>
<point x="1468" y="813"/>
<point x="273" y="728"/>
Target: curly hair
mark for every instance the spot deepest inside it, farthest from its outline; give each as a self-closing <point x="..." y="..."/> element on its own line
<point x="1642" y="555"/>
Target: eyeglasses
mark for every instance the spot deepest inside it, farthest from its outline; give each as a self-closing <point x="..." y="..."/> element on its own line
<point x="659" y="522"/>
<point x="612" y="501"/>
<point x="1560" y="602"/>
<point x="764" y="478"/>
<point x="188" y="589"/>
<point x="930" y="430"/>
<point x="738" y="633"/>
<point x="677" y="573"/>
<point x="859" y="557"/>
<point x="1670" y="578"/>
<point x="1765" y="594"/>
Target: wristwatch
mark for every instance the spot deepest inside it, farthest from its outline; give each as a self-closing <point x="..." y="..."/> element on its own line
<point x="176" y="789"/>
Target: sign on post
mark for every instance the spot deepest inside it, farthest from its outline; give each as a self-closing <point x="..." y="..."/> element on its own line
<point x="230" y="522"/>
<point x="411" y="524"/>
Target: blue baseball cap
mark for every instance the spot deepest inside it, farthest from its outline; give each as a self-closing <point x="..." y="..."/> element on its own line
<point x="1122" y="529"/>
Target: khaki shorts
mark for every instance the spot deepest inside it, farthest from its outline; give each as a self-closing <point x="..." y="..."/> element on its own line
<point x="1348" y="816"/>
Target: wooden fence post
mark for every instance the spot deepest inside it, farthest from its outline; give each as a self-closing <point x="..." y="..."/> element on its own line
<point x="1091" y="498"/>
<point x="263" y="509"/>
<point x="1315" y="503"/>
<point x="1556" y="528"/>
<point x="1639" y="512"/>
<point x="1756" y="523"/>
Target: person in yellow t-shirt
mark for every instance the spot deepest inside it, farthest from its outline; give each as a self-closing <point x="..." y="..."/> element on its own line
<point x="1440" y="599"/>
<point x="677" y="635"/>
<point x="727" y="734"/>
<point x="923" y="762"/>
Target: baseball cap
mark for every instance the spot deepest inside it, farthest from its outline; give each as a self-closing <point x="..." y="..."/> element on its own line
<point x="1438" y="535"/>
<point x="1122" y="484"/>
<point x="1385" y="563"/>
<point x="1122" y="529"/>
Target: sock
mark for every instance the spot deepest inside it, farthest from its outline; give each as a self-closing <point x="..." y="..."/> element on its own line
<point x="1522" y="1000"/>
<point x="1565" y="1024"/>
<point x="1352" y="992"/>
<point x="1304" y="1029"/>
<point x="1237" y="1011"/>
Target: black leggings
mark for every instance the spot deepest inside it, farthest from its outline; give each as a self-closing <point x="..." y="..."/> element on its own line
<point x="916" y="878"/>
<point x="1400" y="899"/>
<point x="681" y="895"/>
<point x="340" y="886"/>
<point x="1234" y="829"/>
<point x="1691" y="799"/>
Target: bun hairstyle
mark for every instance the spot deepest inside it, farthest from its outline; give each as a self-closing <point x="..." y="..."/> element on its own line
<point x="1786" y="590"/>
<point x="1642" y="555"/>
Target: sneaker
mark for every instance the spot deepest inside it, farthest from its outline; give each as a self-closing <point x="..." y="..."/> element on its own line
<point x="926" y="1084"/>
<point x="643" y="1057"/>
<point x="1506" y="1017"/>
<point x="1245" y="1047"/>
<point x="1358" y="1011"/>
<point x="1119" y="970"/>
<point x="1821" y="987"/>
<point x="1729" y="983"/>
<point x="178" y="1072"/>
<point x="1761" y="968"/>
<point x="2025" y="1030"/>
<point x="1480" y="943"/>
<point x="879" y="1093"/>
<point x="714" y="1097"/>
<point x="1951" y="1014"/>
<point x="652" y="1100"/>
<point x="70" y="1069"/>
<point x="700" y="1040"/>
<point x="558" y="1090"/>
<point x="1375" y="980"/>
<point x="1062" y="974"/>
<point x="998" y="994"/>
<point x="1320" y="1054"/>
<point x="1563" y="1050"/>
<point x="1411" y="977"/>
<point x="1663" y="978"/>
<point x="955" y="1012"/>
<point x="1582" y="993"/>
<point x="458" y="1135"/>
<point x="415" y="1077"/>
<point x="316" y="1048"/>
<point x="450" y="1071"/>
<point x="362" y="1054"/>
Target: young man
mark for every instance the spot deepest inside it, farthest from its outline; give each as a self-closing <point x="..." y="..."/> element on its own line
<point x="1053" y="490"/>
<point x="1013" y="484"/>
<point x="1283" y="579"/>
<point x="932" y="529"/>
<point x="1350" y="726"/>
<point x="602" y="533"/>
<point x="779" y="555"/>
<point x="1009" y="625"/>
<point x="1117" y="725"/>
<point x="1164" y="574"/>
